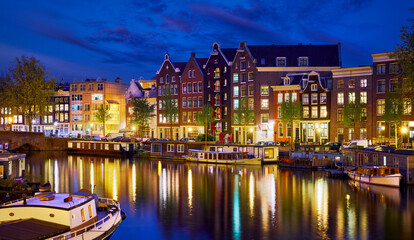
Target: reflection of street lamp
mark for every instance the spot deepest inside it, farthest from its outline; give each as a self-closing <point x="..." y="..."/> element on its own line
<point x="404" y="130"/>
<point x="318" y="130"/>
<point x="383" y="132"/>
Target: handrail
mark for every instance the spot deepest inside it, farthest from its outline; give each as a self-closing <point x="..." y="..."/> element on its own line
<point x="14" y="201"/>
<point x="88" y="228"/>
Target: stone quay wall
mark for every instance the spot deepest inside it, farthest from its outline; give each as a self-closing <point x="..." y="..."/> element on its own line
<point x="32" y="141"/>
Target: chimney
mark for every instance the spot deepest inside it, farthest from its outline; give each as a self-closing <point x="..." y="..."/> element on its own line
<point x="118" y="80"/>
<point x="193" y="54"/>
<point x="242" y="45"/>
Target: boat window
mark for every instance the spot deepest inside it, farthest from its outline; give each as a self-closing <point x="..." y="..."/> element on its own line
<point x="219" y="149"/>
<point x="116" y="147"/>
<point x="375" y="172"/>
<point x="235" y="149"/>
<point x="387" y="171"/>
<point x="106" y="146"/>
<point x="212" y="149"/>
<point x="83" y="214"/>
<point x="224" y="156"/>
<point x="214" y="156"/>
<point x="392" y="171"/>
<point x="90" y="210"/>
<point x="230" y="156"/>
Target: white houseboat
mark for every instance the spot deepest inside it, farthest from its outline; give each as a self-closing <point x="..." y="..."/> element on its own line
<point x="79" y="215"/>
<point x="379" y="175"/>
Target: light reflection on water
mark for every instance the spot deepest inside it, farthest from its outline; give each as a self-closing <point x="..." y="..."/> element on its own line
<point x="165" y="200"/>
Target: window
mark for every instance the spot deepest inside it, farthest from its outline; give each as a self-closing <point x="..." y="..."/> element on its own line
<point x="243" y="77"/>
<point x="394" y="68"/>
<point x="83" y="214"/>
<point x="351" y="97"/>
<point x="381" y="69"/>
<point x="180" y="148"/>
<point x="190" y="117"/>
<point x="363" y="133"/>
<point x="340" y="98"/>
<point x="175" y="89"/>
<point x="184" y="88"/>
<point x="393" y="85"/>
<point x="286" y="81"/>
<point x="87" y="107"/>
<point x="77" y="97"/>
<point x="314" y="112"/>
<point x="167" y="79"/>
<point x="225" y="82"/>
<point x="251" y="103"/>
<point x="323" y="98"/>
<point x="303" y="61"/>
<point x="294" y="97"/>
<point x="305" y="112"/>
<point x="287" y="97"/>
<point x="189" y="87"/>
<point x="264" y="90"/>
<point x="380" y="106"/>
<point x="262" y="61"/>
<point x="265" y="117"/>
<point x="363" y="114"/>
<point x="281" y="61"/>
<point x="314" y="98"/>
<point x="364" y="82"/>
<point x="170" y="147"/>
<point x="279" y="112"/>
<point x="243" y="90"/>
<point x="265" y="104"/>
<point x="184" y="117"/>
<point x="236" y="104"/>
<point x="242" y="66"/>
<point x="251" y="92"/>
<point x="235" y="91"/>
<point x="217" y="101"/>
<point x="305" y="98"/>
<point x="288" y="130"/>
<point x="82" y="87"/>
<point x="217" y="86"/>
<point x="280" y="129"/>
<point x="200" y="87"/>
<point x="184" y="102"/>
<point x="173" y="79"/>
<point x="235" y="77"/>
<point x="225" y="110"/>
<point x="380" y="129"/>
<point x="194" y="87"/>
<point x="194" y="102"/>
<point x="74" y="88"/>
<point x="217" y="73"/>
<point x="350" y="133"/>
<point x="364" y="97"/>
<point x="200" y="102"/>
<point x="97" y="97"/>
<point x="161" y="79"/>
<point x="264" y="133"/>
<point x="324" y="112"/>
<point x="381" y="86"/>
<point x="407" y="106"/>
<point x="189" y="74"/>
<point x="189" y="102"/>
<point x="351" y="83"/>
<point x="340" y="115"/>
<point x="280" y="97"/>
<point x="340" y="84"/>
<point x="314" y="87"/>
<point x="100" y="86"/>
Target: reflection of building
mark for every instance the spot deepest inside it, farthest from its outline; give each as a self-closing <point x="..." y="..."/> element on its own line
<point x="191" y="96"/>
<point x="168" y="82"/>
<point x="350" y="83"/>
<point x="88" y="96"/>
<point x="141" y="89"/>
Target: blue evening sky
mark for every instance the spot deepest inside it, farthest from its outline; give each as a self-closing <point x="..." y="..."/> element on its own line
<point x="128" y="39"/>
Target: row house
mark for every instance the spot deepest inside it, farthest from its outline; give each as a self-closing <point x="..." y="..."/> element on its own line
<point x="85" y="100"/>
<point x="191" y="96"/>
<point x="168" y="82"/>
<point x="349" y="84"/>
<point x="146" y="89"/>
<point x="218" y="90"/>
<point x="256" y="68"/>
<point x="386" y="80"/>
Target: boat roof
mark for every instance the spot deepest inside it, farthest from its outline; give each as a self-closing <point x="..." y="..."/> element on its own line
<point x="31" y="229"/>
<point x="77" y="199"/>
<point x="203" y="151"/>
<point x="375" y="167"/>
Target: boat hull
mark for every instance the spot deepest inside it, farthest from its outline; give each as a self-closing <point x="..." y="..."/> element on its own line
<point x="392" y="180"/>
<point x="253" y="161"/>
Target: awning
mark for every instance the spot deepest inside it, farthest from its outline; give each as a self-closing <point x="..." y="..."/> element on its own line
<point x="112" y="101"/>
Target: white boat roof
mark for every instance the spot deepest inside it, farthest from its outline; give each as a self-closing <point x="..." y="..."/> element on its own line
<point x="203" y="151"/>
<point x="58" y="202"/>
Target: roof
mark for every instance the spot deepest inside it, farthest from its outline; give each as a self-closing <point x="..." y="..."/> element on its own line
<point x="201" y="62"/>
<point x="56" y="203"/>
<point x="31" y="229"/>
<point x="295" y="78"/>
<point x="318" y="55"/>
<point x="180" y="65"/>
<point x="152" y="94"/>
<point x="229" y="53"/>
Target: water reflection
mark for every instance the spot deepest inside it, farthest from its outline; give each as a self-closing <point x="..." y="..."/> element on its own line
<point x="187" y="201"/>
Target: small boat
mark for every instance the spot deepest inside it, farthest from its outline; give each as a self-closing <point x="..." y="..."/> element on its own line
<point x="379" y="175"/>
<point x="239" y="158"/>
<point x="45" y="187"/>
<point x="79" y="215"/>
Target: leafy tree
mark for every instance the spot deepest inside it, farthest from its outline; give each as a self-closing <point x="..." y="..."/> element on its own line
<point x="353" y="113"/>
<point x="244" y="115"/>
<point x="404" y="53"/>
<point x="103" y="115"/>
<point x="205" y="137"/>
<point x="291" y="111"/>
<point x="170" y="108"/>
<point x="205" y="118"/>
<point x="31" y="88"/>
<point x="6" y="99"/>
<point x="393" y="112"/>
<point x="143" y="112"/>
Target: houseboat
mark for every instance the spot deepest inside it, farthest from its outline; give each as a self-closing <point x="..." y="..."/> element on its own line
<point x="80" y="215"/>
<point x="379" y="175"/>
<point x="234" y="154"/>
<point x="102" y="148"/>
<point x="12" y="165"/>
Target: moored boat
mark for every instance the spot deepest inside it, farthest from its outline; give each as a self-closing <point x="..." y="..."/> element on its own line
<point x="80" y="215"/>
<point x="379" y="175"/>
<point x="240" y="158"/>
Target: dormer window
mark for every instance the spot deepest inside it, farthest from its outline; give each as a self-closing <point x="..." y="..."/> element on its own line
<point x="242" y="66"/>
<point x="304" y="83"/>
<point x="262" y="61"/>
<point x="303" y="62"/>
<point x="173" y="79"/>
<point x="189" y="74"/>
<point x="281" y="62"/>
<point x="193" y="73"/>
<point x="287" y="81"/>
<point x="314" y="87"/>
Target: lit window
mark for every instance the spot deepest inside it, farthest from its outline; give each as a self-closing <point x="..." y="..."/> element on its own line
<point x="364" y="82"/>
<point x="265" y="104"/>
<point x="264" y="90"/>
<point x="306" y="112"/>
<point x="340" y="84"/>
<point x="340" y="114"/>
<point x="323" y="98"/>
<point x="340" y="98"/>
<point x="407" y="106"/>
<point x="314" y="98"/>
<point x="265" y="117"/>
<point x="393" y="85"/>
<point x="236" y="104"/>
<point x="351" y="97"/>
<point x="314" y="112"/>
<point x="324" y="112"/>
<point x="235" y="77"/>
<point x="380" y="106"/>
<point x="364" y="97"/>
<point x="381" y="69"/>
<point x="280" y="97"/>
<point x="305" y="99"/>
<point x="314" y="87"/>
<point x="236" y="91"/>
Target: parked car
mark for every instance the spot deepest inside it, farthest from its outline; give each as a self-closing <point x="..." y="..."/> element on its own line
<point x="272" y="143"/>
<point x="111" y="136"/>
<point x="99" y="138"/>
<point x="117" y="139"/>
<point x="364" y="143"/>
<point x="125" y="139"/>
<point x="187" y="140"/>
<point x="260" y="143"/>
<point x="335" y="146"/>
<point x="164" y="139"/>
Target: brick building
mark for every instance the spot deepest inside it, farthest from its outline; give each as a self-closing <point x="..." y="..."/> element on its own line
<point x="349" y="83"/>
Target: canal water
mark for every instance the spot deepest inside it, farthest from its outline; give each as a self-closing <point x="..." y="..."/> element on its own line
<point x="171" y="200"/>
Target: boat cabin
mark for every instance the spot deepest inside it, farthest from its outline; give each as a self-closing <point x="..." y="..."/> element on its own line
<point x="376" y="171"/>
<point x="12" y="165"/>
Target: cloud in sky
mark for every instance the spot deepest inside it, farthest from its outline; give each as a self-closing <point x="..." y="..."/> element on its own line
<point x="129" y="38"/>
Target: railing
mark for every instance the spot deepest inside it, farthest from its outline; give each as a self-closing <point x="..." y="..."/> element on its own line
<point x="15" y="201"/>
<point x="93" y="225"/>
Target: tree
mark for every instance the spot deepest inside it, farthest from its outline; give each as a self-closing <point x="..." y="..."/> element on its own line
<point x="354" y="112"/>
<point x="103" y="115"/>
<point x="170" y="108"/>
<point x="404" y="53"/>
<point x="6" y="99"/>
<point x="393" y="112"/>
<point x="143" y="112"/>
<point x="291" y="111"/>
<point x="31" y="88"/>
<point x="244" y="115"/>
<point x="205" y="118"/>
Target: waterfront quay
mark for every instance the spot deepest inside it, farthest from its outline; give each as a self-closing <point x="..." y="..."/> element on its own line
<point x="178" y="200"/>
